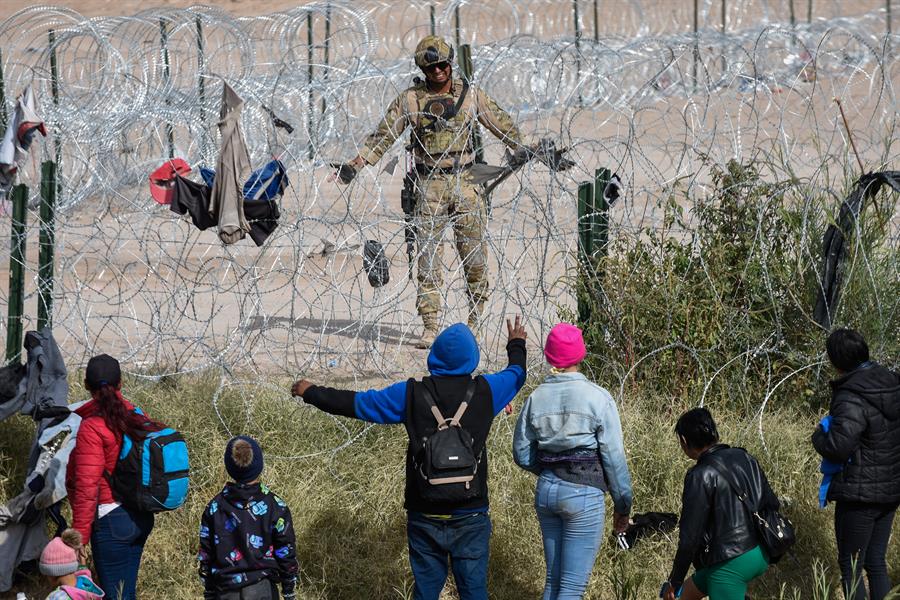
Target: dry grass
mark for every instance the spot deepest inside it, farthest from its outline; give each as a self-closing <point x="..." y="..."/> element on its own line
<point x="347" y="505"/>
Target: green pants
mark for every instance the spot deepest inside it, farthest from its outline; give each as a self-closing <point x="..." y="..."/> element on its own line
<point x="728" y="580"/>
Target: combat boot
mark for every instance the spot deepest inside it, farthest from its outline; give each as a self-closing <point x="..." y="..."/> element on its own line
<point x="430" y="331"/>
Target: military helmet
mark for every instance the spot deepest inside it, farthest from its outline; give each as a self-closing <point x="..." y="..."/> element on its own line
<point x="432" y="50"/>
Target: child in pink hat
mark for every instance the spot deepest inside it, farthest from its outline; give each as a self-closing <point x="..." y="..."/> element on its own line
<point x="569" y="435"/>
<point x="60" y="564"/>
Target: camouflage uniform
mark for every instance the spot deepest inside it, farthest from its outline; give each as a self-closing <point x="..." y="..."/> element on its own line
<point x="442" y="149"/>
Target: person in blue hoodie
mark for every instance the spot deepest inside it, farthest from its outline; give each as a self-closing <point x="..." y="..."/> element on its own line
<point x="447" y="518"/>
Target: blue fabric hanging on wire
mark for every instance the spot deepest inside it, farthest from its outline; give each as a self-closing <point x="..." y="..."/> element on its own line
<point x="266" y="183"/>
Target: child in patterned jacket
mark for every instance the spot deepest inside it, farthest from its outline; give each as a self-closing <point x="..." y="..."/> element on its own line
<point x="246" y="534"/>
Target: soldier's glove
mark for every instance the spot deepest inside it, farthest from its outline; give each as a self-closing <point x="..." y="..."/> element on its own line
<point x="346" y="172"/>
<point x="553" y="158"/>
<point x="521" y="156"/>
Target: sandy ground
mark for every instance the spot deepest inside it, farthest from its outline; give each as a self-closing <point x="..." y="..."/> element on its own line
<point x="134" y="281"/>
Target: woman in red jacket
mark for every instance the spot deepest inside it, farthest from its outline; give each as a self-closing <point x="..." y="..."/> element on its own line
<point x="117" y="534"/>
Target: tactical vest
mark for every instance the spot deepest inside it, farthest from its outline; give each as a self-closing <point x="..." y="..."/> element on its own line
<point x="435" y="139"/>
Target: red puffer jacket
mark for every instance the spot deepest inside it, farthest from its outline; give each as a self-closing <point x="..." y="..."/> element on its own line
<point x="96" y="451"/>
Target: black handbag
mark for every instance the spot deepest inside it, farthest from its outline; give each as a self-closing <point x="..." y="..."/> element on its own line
<point x="774" y="531"/>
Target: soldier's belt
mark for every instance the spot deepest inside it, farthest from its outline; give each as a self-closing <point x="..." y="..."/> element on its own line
<point x="426" y="170"/>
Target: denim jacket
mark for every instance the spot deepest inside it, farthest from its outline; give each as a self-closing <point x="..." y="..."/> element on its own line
<point x="568" y="412"/>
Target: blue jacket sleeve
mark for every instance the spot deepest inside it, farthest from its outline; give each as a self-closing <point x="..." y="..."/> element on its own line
<point x="385" y="406"/>
<point x="612" y="455"/>
<point x="507" y="383"/>
<point x="525" y="442"/>
<point x="377" y="406"/>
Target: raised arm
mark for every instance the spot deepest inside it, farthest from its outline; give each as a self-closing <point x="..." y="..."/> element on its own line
<point x="507" y="383"/>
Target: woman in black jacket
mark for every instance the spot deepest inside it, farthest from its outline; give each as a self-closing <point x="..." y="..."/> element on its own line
<point x="716" y="533"/>
<point x="864" y="437"/>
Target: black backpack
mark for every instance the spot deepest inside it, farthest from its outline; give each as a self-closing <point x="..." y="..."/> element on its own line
<point x="446" y="463"/>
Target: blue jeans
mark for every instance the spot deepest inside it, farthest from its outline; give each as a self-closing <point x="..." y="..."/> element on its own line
<point x="117" y="543"/>
<point x="571" y="518"/>
<point x="465" y="541"/>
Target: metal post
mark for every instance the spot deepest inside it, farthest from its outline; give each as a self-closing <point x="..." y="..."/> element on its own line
<point x="201" y="84"/>
<point x="465" y="65"/>
<point x="600" y="221"/>
<point x="809" y="6"/>
<point x="431" y="10"/>
<point x="596" y="22"/>
<point x="456" y="19"/>
<point x="696" y="43"/>
<point x="164" y="45"/>
<point x="327" y="43"/>
<point x="309" y="79"/>
<point x="16" y="274"/>
<point x="577" y="50"/>
<point x="792" y="14"/>
<point x="887" y="15"/>
<point x="47" y="241"/>
<point x="724" y="15"/>
<point x="4" y="118"/>
<point x="57" y="133"/>
<point x="585" y="249"/>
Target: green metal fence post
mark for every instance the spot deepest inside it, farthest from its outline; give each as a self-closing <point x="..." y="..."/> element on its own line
<point x="600" y="222"/>
<point x="47" y="241"/>
<point x="16" y="305"/>
<point x="465" y="65"/>
<point x="164" y="45"/>
<point x="585" y="249"/>
<point x="431" y="11"/>
<point x="57" y="134"/>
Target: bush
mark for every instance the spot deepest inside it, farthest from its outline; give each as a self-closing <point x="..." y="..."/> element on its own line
<point x="716" y="302"/>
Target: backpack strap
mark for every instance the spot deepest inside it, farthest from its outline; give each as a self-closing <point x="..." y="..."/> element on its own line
<point x="442" y="421"/>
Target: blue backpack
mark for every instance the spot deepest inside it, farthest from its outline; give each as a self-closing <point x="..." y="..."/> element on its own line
<point x="152" y="472"/>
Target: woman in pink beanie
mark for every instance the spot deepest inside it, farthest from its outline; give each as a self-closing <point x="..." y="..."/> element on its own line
<point x="569" y="434"/>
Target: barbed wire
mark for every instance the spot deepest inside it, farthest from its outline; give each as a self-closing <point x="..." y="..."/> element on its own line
<point x="649" y="99"/>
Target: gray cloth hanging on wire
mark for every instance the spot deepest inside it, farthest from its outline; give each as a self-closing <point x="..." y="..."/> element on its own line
<point x="43" y="395"/>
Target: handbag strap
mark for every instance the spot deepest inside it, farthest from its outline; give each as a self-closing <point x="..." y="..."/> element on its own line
<point x="720" y="468"/>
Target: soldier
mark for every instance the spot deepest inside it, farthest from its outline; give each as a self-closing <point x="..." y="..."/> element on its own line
<point x="443" y="113"/>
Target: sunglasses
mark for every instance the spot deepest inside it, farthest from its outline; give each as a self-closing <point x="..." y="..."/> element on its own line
<point x="441" y="66"/>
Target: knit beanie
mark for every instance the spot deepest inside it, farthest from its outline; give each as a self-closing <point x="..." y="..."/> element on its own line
<point x="248" y="472"/>
<point x="58" y="559"/>
<point x="565" y="346"/>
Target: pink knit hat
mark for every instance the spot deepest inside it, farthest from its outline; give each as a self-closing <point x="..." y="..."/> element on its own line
<point x="58" y="559"/>
<point x="565" y="346"/>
